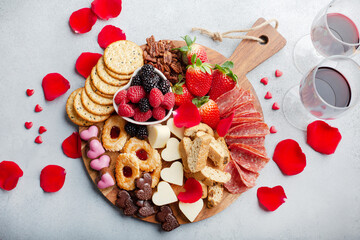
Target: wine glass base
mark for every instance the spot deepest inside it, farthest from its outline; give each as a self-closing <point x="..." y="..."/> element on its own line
<point x="294" y="111"/>
<point x="305" y="55"/>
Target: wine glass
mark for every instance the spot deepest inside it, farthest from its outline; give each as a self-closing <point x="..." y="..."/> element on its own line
<point x="334" y="31"/>
<point x="327" y="91"/>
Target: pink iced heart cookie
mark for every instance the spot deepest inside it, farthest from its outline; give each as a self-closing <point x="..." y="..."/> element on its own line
<point x="106" y="178"/>
<point x="101" y="162"/>
<point x="89" y="133"/>
<point x="96" y="149"/>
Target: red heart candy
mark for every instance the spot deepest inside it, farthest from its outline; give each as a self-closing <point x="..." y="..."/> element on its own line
<point x="264" y="80"/>
<point x="38" y="108"/>
<point x="187" y="115"/>
<point x="289" y="157"/>
<point x="322" y="137"/>
<point x="273" y="129"/>
<point x="268" y="95"/>
<point x="85" y="63"/>
<point x="28" y="125"/>
<point x="271" y="198"/>
<point x="42" y="129"/>
<point x="110" y="34"/>
<point x="275" y="106"/>
<point x="106" y="9"/>
<point x="30" y="92"/>
<point x="54" y="85"/>
<point x="38" y="140"/>
<point x="52" y="178"/>
<point x="278" y="73"/>
<point x="82" y="20"/>
<point x="224" y="125"/>
<point x="10" y="173"/>
<point x="72" y="146"/>
<point x="193" y="192"/>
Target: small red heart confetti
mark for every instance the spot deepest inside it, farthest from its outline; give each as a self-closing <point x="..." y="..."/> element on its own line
<point x="110" y="34"/>
<point x="268" y="95"/>
<point x="193" y="192"/>
<point x="322" y="137"/>
<point x="42" y="129"/>
<point x="28" y="125"/>
<point x="264" y="80"/>
<point x="10" y="173"/>
<point x="85" y="63"/>
<point x="278" y="73"/>
<point x="271" y="198"/>
<point x="289" y="157"/>
<point x="38" y="140"/>
<point x="275" y="106"/>
<point x="273" y="129"/>
<point x="38" y="108"/>
<point x="52" y="178"/>
<point x="106" y="9"/>
<point x="54" y="85"/>
<point x="82" y="20"/>
<point x="30" y="92"/>
<point x="187" y="115"/>
<point x="72" y="146"/>
<point x="224" y="125"/>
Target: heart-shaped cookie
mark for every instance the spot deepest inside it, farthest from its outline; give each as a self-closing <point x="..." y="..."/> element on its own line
<point x="89" y="133"/>
<point x="164" y="195"/>
<point x="178" y="132"/>
<point x="191" y="210"/>
<point x="106" y="181"/>
<point x="171" y="152"/>
<point x="101" y="162"/>
<point x="96" y="149"/>
<point x="174" y="174"/>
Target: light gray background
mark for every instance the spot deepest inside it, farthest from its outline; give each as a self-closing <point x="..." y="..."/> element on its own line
<point x="323" y="201"/>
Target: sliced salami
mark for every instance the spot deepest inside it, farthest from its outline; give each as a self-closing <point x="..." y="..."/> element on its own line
<point x="248" y="177"/>
<point x="260" y="148"/>
<point x="235" y="185"/>
<point x="226" y="100"/>
<point x="248" y="157"/>
<point x="245" y="140"/>
<point x="240" y="104"/>
<point x="241" y="120"/>
<point x="247" y="129"/>
<point x="249" y="114"/>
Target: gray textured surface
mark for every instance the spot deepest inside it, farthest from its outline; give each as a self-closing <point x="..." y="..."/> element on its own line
<point x="323" y="201"/>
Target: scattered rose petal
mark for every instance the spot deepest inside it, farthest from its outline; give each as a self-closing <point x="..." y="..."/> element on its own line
<point x="187" y="115"/>
<point x="85" y="63"/>
<point x="38" y="108"/>
<point x="30" y="92"/>
<point x="289" y="157"/>
<point x="273" y="129"/>
<point x="268" y="95"/>
<point x="224" y="125"/>
<point x="278" y="73"/>
<point x="322" y="137"/>
<point x="275" y="106"/>
<point x="38" y="140"/>
<point x="110" y="34"/>
<point x="271" y="198"/>
<point x="54" y="85"/>
<point x="52" y="178"/>
<point x="28" y="125"/>
<point x="10" y="173"/>
<point x="264" y="80"/>
<point x="82" y="20"/>
<point x="72" y="146"/>
<point x="42" y="129"/>
<point x="106" y="9"/>
<point x="193" y="191"/>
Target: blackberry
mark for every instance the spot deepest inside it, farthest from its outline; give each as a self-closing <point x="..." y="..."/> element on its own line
<point x="150" y="83"/>
<point x="131" y="129"/>
<point x="136" y="81"/>
<point x="142" y="132"/>
<point x="144" y="105"/>
<point x="147" y="71"/>
<point x="164" y="86"/>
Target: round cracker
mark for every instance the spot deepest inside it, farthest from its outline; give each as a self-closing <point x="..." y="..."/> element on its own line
<point x="101" y="85"/>
<point x="95" y="108"/>
<point x="73" y="116"/>
<point x="117" y="76"/>
<point x="83" y="113"/>
<point x="100" y="69"/>
<point x="123" y="57"/>
<point x="96" y="97"/>
<point x="98" y="92"/>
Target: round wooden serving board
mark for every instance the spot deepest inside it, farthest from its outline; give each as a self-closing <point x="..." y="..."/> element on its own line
<point x="247" y="56"/>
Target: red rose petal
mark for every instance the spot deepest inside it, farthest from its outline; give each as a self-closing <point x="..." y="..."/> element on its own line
<point x="289" y="157"/>
<point x="273" y="129"/>
<point x="322" y="137"/>
<point x="193" y="191"/>
<point x="106" y="9"/>
<point x="54" y="85"/>
<point x="85" y="63"/>
<point x="82" y="20"/>
<point x="224" y="125"/>
<point x="28" y="125"/>
<point x="278" y="73"/>
<point x="10" y="173"/>
<point x="187" y="115"/>
<point x="72" y="146"/>
<point x="30" y="92"/>
<point x="264" y="80"/>
<point x="271" y="198"/>
<point x="268" y="95"/>
<point x="38" y="140"/>
<point x="52" y="178"/>
<point x="42" y="129"/>
<point x="110" y="34"/>
<point x="38" y="108"/>
<point x="275" y="106"/>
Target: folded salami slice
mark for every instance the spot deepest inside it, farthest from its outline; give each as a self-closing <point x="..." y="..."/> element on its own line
<point x="260" y="148"/>
<point x="248" y="177"/>
<point x="243" y="102"/>
<point x="225" y="102"/>
<point x="241" y="120"/>
<point x="248" y="157"/>
<point x="247" y="129"/>
<point x="235" y="185"/>
<point x="249" y="114"/>
<point x="251" y="140"/>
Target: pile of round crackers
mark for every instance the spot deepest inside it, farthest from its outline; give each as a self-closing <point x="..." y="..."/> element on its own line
<point x="94" y="102"/>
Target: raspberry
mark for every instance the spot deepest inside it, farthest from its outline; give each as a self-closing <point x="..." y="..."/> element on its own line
<point x="159" y="113"/>
<point x="169" y="101"/>
<point x="135" y="93"/>
<point x="164" y="86"/>
<point x="144" y="105"/>
<point x="136" y="81"/>
<point x="125" y="110"/>
<point x="156" y="97"/>
<point x="131" y="129"/>
<point x="142" y="116"/>
<point x="142" y="132"/>
<point x="121" y="97"/>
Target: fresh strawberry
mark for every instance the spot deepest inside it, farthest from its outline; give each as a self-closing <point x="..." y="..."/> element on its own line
<point x="198" y="77"/>
<point x="181" y="92"/>
<point x="223" y="80"/>
<point x="192" y="48"/>
<point x="208" y="110"/>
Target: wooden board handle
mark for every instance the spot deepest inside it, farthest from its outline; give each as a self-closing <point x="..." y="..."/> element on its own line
<point x="249" y="54"/>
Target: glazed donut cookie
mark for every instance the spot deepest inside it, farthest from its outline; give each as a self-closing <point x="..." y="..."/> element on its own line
<point x="147" y="157"/>
<point x="155" y="176"/>
<point x="114" y="135"/>
<point x="126" y="171"/>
